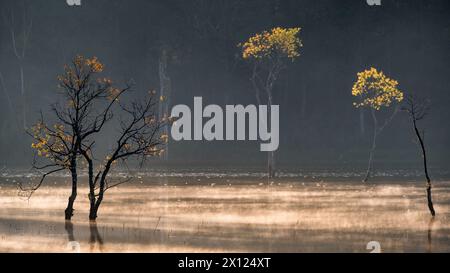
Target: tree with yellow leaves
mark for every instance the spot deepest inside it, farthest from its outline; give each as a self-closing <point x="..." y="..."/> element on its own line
<point x="91" y="102"/>
<point x="269" y="52"/>
<point x="375" y="91"/>
<point x="56" y="145"/>
<point x="87" y="107"/>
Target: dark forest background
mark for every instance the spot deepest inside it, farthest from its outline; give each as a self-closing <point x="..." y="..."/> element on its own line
<point x="407" y="39"/>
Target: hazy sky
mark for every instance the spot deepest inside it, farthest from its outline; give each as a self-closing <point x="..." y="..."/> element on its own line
<point x="408" y="40"/>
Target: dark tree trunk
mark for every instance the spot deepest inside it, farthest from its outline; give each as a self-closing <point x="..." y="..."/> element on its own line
<point x="92" y="216"/>
<point x="94" y="205"/>
<point x="424" y="156"/>
<point x="93" y="200"/>
<point x="73" y="169"/>
<point x="93" y="210"/>
<point x="91" y="183"/>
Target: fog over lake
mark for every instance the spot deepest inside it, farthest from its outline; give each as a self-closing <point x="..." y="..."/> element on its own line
<point x="224" y="126"/>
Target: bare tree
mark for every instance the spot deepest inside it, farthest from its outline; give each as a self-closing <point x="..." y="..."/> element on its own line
<point x="83" y="97"/>
<point x="417" y="109"/>
<point x="141" y="136"/>
<point x="89" y="105"/>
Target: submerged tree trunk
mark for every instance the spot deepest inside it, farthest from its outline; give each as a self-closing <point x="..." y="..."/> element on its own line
<point x="377" y="129"/>
<point x="374" y="146"/>
<point x="370" y="162"/>
<point x="93" y="210"/>
<point x="424" y="156"/>
<point x="91" y="186"/>
<point x="92" y="182"/>
<point x="267" y="87"/>
<point x="73" y="169"/>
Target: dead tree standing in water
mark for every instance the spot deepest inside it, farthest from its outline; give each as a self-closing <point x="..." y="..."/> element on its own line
<point x="417" y="110"/>
<point x="83" y="97"/>
<point x="141" y="136"/>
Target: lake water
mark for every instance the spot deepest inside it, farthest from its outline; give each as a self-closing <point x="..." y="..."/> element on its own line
<point x="215" y="213"/>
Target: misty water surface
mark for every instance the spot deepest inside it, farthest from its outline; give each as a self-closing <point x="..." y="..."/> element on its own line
<point x="218" y="214"/>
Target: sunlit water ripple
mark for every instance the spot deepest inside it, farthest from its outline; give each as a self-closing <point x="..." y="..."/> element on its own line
<point x="215" y="213"/>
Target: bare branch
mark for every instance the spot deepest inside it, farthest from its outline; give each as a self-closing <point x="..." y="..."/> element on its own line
<point x="29" y="191"/>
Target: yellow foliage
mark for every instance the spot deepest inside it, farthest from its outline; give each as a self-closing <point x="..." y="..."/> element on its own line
<point x="375" y="90"/>
<point x="152" y="151"/>
<point x="75" y="74"/>
<point x="78" y="61"/>
<point x="108" y="158"/>
<point x="164" y="138"/>
<point x="51" y="143"/>
<point x="94" y="64"/>
<point x="104" y="81"/>
<point x="282" y="41"/>
<point x="113" y="93"/>
<point x="127" y="147"/>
